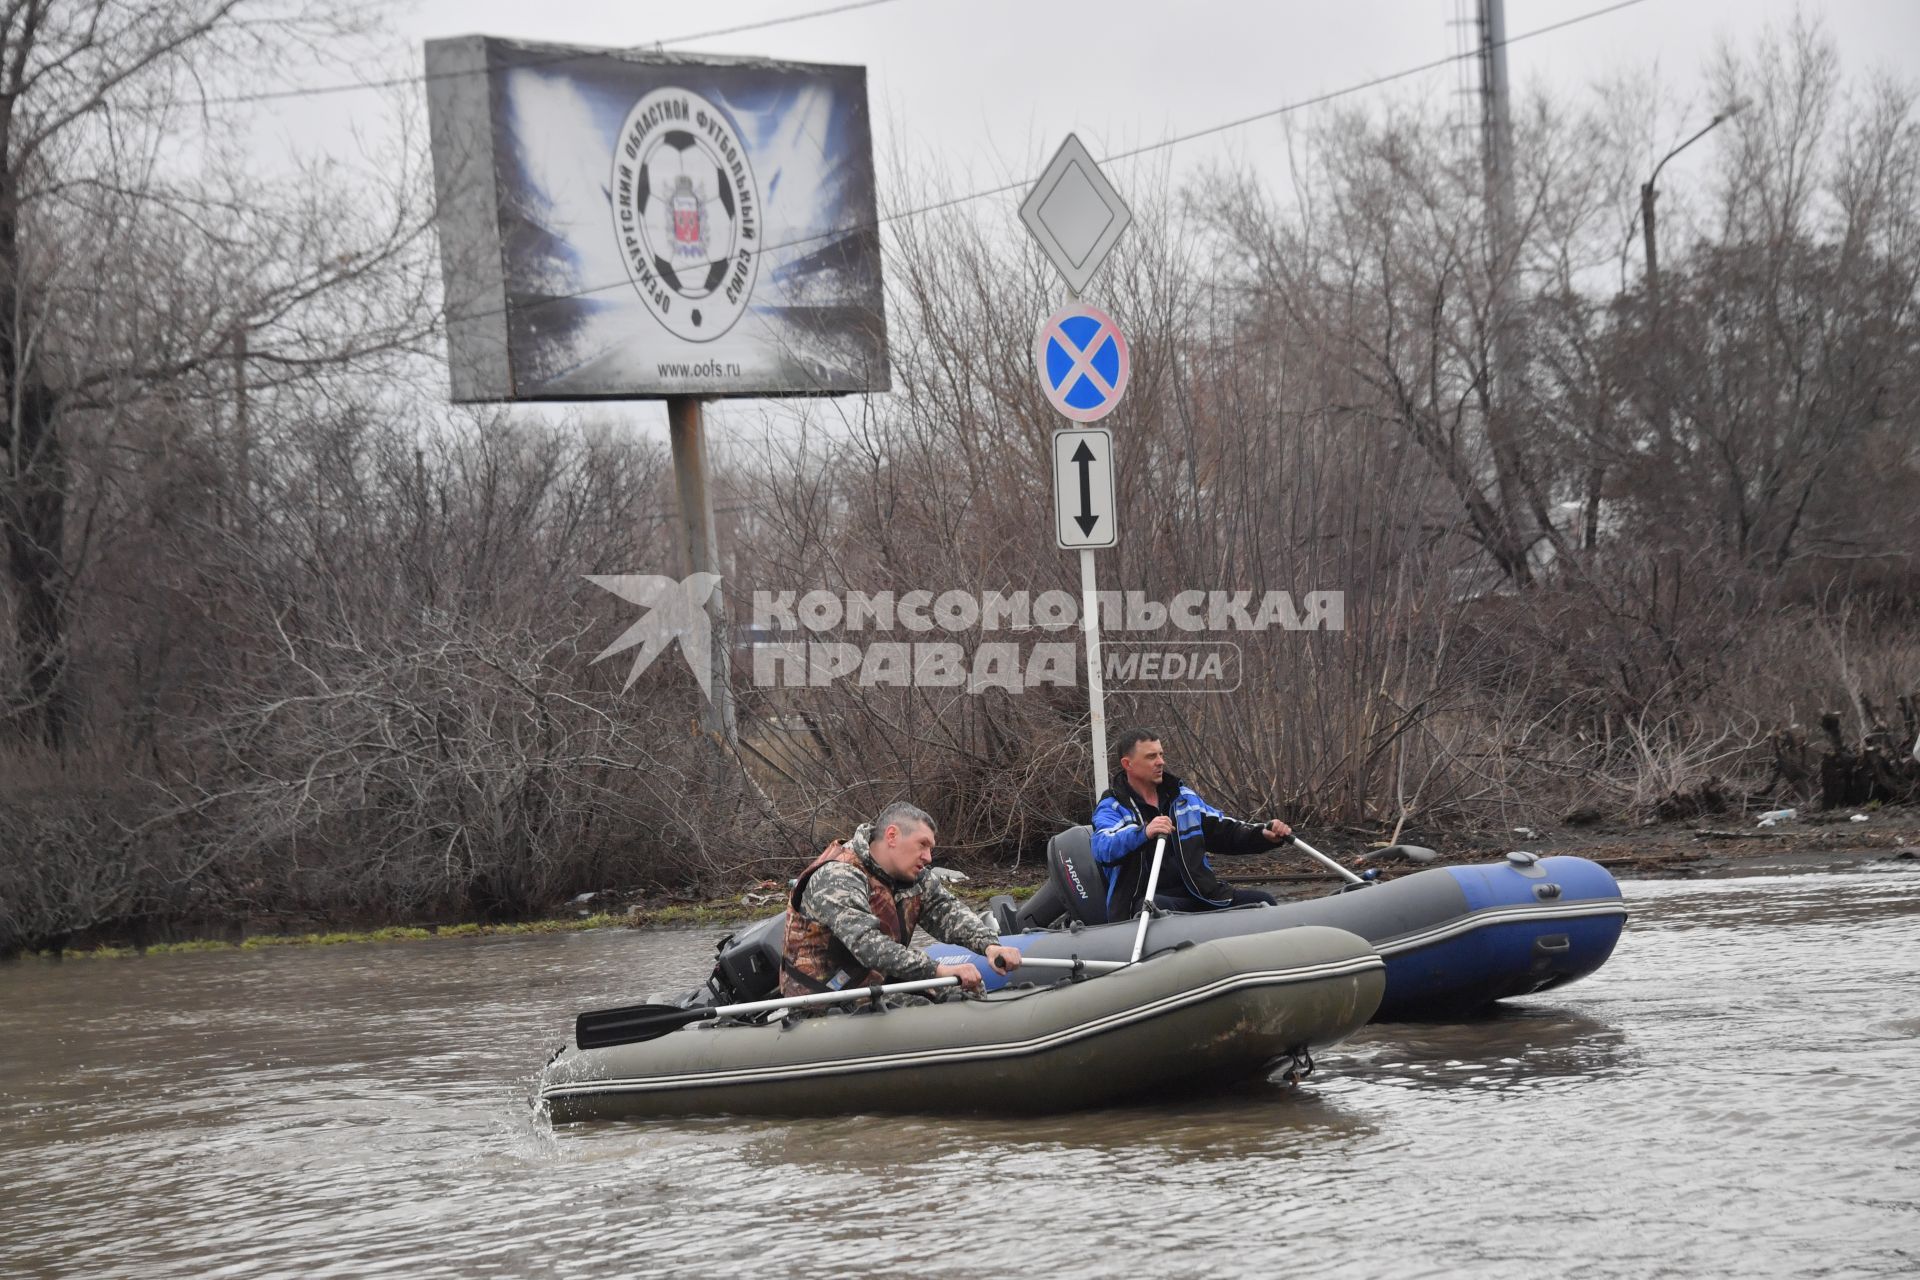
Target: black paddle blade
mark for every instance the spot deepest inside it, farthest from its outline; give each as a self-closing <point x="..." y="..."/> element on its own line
<point x="601" y="1028"/>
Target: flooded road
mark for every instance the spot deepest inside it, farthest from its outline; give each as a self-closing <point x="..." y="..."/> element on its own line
<point x="1736" y="1093"/>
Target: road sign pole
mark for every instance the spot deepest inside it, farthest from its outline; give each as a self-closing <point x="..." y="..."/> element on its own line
<point x="1096" y="684"/>
<point x="1096" y="688"/>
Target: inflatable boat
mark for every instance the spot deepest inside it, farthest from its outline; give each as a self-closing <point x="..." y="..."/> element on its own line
<point x="1214" y="1011"/>
<point x="1454" y="938"/>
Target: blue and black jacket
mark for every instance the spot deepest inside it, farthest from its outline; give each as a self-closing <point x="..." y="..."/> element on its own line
<point x="1125" y="854"/>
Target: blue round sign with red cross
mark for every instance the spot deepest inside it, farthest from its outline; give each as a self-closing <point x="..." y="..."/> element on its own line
<point x="1082" y="360"/>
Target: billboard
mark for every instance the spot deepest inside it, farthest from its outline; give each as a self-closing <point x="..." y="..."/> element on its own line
<point x="617" y="224"/>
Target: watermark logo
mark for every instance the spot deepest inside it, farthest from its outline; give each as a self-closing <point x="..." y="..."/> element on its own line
<point x="1172" y="666"/>
<point x="817" y="639"/>
<point x="676" y="611"/>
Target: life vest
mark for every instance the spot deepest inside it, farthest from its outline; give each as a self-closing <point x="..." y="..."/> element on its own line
<point x="813" y="959"/>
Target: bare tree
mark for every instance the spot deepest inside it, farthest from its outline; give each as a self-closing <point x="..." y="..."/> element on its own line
<point x="133" y="281"/>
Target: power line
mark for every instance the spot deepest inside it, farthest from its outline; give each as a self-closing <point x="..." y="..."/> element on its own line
<point x="1374" y="83"/>
<point x="1022" y="184"/>
<point x="356" y="86"/>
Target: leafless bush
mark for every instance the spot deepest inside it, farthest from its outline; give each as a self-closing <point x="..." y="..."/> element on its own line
<point x="463" y="771"/>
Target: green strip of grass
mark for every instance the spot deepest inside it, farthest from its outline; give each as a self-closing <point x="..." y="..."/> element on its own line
<point x="388" y="933"/>
<point x="686" y="915"/>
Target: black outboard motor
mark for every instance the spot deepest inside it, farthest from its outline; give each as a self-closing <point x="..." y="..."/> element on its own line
<point x="1074" y="889"/>
<point x="748" y="966"/>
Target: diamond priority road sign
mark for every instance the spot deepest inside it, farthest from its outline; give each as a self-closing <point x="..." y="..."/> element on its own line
<point x="1083" y="514"/>
<point x="1075" y="214"/>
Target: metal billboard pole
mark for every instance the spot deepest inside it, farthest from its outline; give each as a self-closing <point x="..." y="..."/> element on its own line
<point x="697" y="542"/>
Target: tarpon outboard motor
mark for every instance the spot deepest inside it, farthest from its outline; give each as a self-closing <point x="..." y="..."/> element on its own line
<point x="1075" y="889"/>
<point x="748" y="966"/>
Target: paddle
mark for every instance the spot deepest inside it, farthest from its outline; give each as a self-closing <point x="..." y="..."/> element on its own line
<point x="1146" y="906"/>
<point x="601" y="1028"/>
<point x="1321" y="858"/>
<point x="1076" y="964"/>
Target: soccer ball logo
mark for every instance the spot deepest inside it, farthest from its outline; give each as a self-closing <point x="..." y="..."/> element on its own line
<point x="686" y="210"/>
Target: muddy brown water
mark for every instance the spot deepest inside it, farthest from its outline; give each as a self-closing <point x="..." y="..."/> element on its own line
<point x="1736" y="1093"/>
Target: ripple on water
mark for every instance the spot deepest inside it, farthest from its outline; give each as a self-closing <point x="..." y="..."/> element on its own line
<point x="1730" y="1095"/>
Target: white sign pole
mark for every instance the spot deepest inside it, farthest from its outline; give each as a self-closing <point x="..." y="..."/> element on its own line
<point x="1096" y="690"/>
<point x="1096" y="686"/>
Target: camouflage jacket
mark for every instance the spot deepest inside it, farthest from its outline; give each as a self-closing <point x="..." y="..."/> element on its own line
<point x="837" y="896"/>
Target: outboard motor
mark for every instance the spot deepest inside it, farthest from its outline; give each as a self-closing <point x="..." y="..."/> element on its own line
<point x="1074" y="888"/>
<point x="748" y="966"/>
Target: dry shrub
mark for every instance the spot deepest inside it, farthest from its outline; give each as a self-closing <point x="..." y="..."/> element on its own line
<point x="468" y="772"/>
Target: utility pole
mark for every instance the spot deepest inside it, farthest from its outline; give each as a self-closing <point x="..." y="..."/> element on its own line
<point x="1652" y="243"/>
<point x="1496" y="122"/>
<point x="697" y="542"/>
<point x="1503" y="355"/>
<point x="242" y="436"/>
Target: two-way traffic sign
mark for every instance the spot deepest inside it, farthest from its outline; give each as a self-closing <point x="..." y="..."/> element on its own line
<point x="1083" y="514"/>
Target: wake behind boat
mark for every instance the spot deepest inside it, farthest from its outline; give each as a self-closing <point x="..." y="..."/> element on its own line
<point x="1226" y="1009"/>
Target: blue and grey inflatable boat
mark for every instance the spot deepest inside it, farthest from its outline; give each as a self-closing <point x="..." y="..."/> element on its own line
<point x="1454" y="938"/>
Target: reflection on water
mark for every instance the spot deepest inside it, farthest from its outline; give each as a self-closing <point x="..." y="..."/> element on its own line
<point x="1732" y="1094"/>
<point x="1515" y="1045"/>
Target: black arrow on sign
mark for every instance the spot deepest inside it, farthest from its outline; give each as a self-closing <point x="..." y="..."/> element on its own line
<point x="1083" y="457"/>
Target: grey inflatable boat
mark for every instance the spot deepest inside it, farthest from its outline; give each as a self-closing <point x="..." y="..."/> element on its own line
<point x="1217" y="1011"/>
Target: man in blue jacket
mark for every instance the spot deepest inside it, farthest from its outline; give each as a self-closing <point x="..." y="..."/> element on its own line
<point x="1146" y="803"/>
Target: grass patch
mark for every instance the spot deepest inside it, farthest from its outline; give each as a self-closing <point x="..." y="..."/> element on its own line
<point x="977" y="895"/>
<point x="338" y="937"/>
<point x="725" y="913"/>
<point x="106" y="953"/>
<point x="687" y="914"/>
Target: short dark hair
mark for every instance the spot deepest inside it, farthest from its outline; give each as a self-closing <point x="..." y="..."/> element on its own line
<point x="1133" y="738"/>
<point x="903" y="815"/>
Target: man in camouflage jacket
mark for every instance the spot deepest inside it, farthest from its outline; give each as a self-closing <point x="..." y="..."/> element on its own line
<point x="853" y="912"/>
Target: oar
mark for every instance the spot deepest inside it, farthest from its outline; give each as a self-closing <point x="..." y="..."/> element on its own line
<point x="1321" y="858"/>
<point x="600" y="1028"/>
<point x="1076" y="964"/>
<point x="1146" y="907"/>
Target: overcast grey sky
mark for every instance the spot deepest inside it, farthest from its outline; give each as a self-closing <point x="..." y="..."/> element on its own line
<point x="989" y="87"/>
<point x="989" y="84"/>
